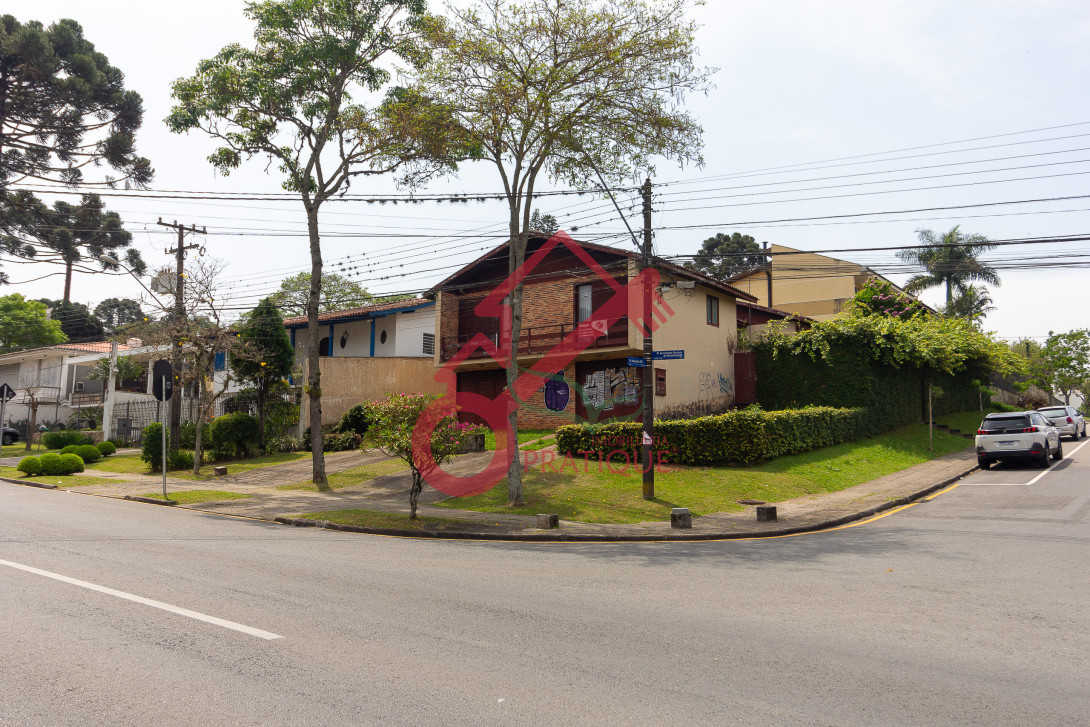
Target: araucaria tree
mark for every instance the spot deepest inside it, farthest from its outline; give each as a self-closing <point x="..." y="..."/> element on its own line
<point x="63" y="108"/>
<point x="290" y="100"/>
<point x="725" y="255"/>
<point x="951" y="260"/>
<point x="266" y="355"/>
<point x="562" y="88"/>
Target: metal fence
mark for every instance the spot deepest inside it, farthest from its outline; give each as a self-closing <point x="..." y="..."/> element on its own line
<point x="131" y="417"/>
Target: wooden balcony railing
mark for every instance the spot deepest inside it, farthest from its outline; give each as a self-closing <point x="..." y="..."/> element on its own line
<point x="78" y="399"/>
<point x="538" y="340"/>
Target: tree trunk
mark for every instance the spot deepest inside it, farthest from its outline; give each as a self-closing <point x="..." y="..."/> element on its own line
<point x="197" y="444"/>
<point x="262" y="395"/>
<point x="67" y="280"/>
<point x="314" y="375"/>
<point x="513" y="313"/>
<point x="33" y="422"/>
<point x="414" y="492"/>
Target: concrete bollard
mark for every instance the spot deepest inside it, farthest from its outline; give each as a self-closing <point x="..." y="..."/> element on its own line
<point x="219" y="471"/>
<point x="766" y="513"/>
<point x="680" y="517"/>
<point x="548" y="522"/>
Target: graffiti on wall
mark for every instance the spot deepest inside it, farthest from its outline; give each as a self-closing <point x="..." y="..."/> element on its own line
<point x="726" y="386"/>
<point x="712" y="386"/>
<point x="610" y="387"/>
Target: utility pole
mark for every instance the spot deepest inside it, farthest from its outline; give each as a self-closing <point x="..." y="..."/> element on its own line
<point x="768" y="271"/>
<point x="179" y="314"/>
<point x="111" y="386"/>
<point x="648" y="364"/>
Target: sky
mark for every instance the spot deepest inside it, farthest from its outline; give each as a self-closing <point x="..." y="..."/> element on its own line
<point x="837" y="125"/>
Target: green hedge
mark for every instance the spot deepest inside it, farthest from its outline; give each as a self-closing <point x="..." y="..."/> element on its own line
<point x="737" y="437"/>
<point x="106" y="448"/>
<point x="30" y="466"/>
<point x="88" y="453"/>
<point x="59" y="440"/>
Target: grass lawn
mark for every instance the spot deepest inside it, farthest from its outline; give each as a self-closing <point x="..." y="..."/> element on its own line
<point x="189" y="497"/>
<point x="372" y="519"/>
<point x="131" y="463"/>
<point x="19" y="450"/>
<point x="524" y="436"/>
<point x="617" y="498"/>
<point x="59" y="480"/>
<point x="966" y="422"/>
<point x="353" y="476"/>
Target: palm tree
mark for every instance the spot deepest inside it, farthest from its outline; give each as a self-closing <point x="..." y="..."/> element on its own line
<point x="950" y="260"/>
<point x="972" y="304"/>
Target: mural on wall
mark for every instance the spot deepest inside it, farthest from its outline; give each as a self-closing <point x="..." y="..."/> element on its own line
<point x="557" y="392"/>
<point x="611" y="387"/>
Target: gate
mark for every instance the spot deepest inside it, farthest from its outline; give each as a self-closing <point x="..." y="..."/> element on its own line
<point x="745" y="378"/>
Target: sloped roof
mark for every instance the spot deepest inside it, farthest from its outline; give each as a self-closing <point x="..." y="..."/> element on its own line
<point x="361" y="312"/>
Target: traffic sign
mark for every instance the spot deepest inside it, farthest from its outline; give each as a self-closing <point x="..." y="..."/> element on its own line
<point x="636" y="362"/>
<point x="6" y="392"/>
<point x="162" y="376"/>
<point x="674" y="355"/>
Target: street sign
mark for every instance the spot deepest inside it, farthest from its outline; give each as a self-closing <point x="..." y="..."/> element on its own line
<point x="6" y="392"/>
<point x="669" y="355"/>
<point x="162" y="385"/>
<point x="636" y="362"/>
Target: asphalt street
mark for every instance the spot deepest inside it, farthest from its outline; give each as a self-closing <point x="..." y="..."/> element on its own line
<point x="970" y="608"/>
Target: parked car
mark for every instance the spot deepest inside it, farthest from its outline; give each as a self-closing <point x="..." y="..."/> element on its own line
<point x="9" y="435"/>
<point x="1067" y="419"/>
<point x="1019" y="435"/>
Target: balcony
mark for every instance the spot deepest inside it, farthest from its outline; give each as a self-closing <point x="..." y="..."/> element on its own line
<point x="538" y="340"/>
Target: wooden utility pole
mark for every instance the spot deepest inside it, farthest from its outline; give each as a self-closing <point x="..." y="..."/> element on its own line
<point x="648" y="363"/>
<point x="179" y="313"/>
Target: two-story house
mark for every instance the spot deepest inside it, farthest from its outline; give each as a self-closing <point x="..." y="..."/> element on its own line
<point x="578" y="298"/>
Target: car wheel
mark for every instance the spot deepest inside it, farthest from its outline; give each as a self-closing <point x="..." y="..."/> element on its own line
<point x="1042" y="460"/>
<point x="984" y="464"/>
<point x="1059" y="453"/>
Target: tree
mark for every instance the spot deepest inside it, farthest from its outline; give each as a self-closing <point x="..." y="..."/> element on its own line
<point x="543" y="223"/>
<point x="127" y="369"/>
<point x="25" y="324"/>
<point x="266" y="355"/>
<point x="38" y="386"/>
<point x="76" y="321"/>
<point x="568" y="89"/>
<point x="391" y="427"/>
<point x="290" y="100"/>
<point x="116" y="313"/>
<point x="64" y="108"/>
<point x="951" y="261"/>
<point x="338" y="292"/>
<point x="1062" y="364"/>
<point x="724" y="256"/>
<point x="971" y="304"/>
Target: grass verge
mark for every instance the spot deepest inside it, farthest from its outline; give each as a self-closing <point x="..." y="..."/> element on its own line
<point x="132" y="464"/>
<point x="616" y="497"/>
<point x="19" y="450"/>
<point x="59" y="480"/>
<point x="373" y="519"/>
<point x="354" y="476"/>
<point x="189" y="497"/>
<point x="524" y="436"/>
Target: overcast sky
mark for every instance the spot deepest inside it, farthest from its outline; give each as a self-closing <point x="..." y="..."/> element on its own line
<point x="806" y="94"/>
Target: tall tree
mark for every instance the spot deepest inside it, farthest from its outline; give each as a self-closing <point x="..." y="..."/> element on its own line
<point x="76" y="321"/>
<point x="546" y="223"/>
<point x="25" y="324"/>
<point x="338" y="292"/>
<point x="116" y="313"/>
<point x="266" y="355"/>
<point x="1062" y="364"/>
<point x="567" y="89"/>
<point x="950" y="260"/>
<point x="63" y="107"/>
<point x="290" y="100"/>
<point x="725" y="255"/>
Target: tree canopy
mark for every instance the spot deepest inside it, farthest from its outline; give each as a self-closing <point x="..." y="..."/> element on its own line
<point x="1062" y="363"/>
<point x="950" y="260"/>
<point x="724" y="256"/>
<point x="266" y="355"/>
<point x="338" y="292"/>
<point x="972" y="304"/>
<point x="541" y="222"/>
<point x="76" y="321"/>
<point x="24" y="324"/>
<point x="116" y="313"/>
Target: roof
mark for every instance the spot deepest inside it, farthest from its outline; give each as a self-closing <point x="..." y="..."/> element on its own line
<point x="365" y="311"/>
<point x="83" y="347"/>
<point x="673" y="269"/>
<point x="775" y="311"/>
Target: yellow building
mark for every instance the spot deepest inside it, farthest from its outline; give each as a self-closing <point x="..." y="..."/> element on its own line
<point x="805" y="283"/>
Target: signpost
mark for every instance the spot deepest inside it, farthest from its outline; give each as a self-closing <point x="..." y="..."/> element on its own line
<point x="162" y="386"/>
<point x="6" y="394"/>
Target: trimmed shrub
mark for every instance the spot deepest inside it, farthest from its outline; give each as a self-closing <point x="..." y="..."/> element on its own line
<point x="59" y="440"/>
<point x="286" y="443"/>
<point x="30" y="466"/>
<point x="106" y="448"/>
<point x="51" y="463"/>
<point x="70" y="464"/>
<point x="354" y="420"/>
<point x="341" y="442"/>
<point x="234" y="435"/>
<point x="71" y="448"/>
<point x="180" y="460"/>
<point x="88" y="453"/>
<point x="737" y="437"/>
<point x="151" y="451"/>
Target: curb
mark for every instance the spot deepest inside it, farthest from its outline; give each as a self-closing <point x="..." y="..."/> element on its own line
<point x="148" y="500"/>
<point x="28" y="483"/>
<point x="666" y="537"/>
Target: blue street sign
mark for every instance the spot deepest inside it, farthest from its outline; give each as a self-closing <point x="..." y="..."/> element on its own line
<point x="635" y="361"/>
<point x="668" y="355"/>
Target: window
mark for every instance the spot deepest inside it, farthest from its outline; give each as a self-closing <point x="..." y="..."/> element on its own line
<point x="429" y="344"/>
<point x="324" y="349"/>
<point x="583" y="303"/>
<point x="221" y="361"/>
<point x="713" y="311"/>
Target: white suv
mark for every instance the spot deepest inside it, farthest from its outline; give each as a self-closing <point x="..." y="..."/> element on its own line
<point x="1067" y="420"/>
<point x="1017" y="435"/>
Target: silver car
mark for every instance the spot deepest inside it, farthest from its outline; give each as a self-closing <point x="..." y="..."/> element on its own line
<point x="1067" y="420"/>
<point x="1017" y="435"/>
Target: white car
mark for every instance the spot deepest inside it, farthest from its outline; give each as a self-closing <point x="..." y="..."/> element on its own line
<point x="1067" y="420"/>
<point x="1017" y="435"/>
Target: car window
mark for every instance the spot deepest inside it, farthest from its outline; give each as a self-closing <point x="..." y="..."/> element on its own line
<point x="1056" y="411"/>
<point x="1001" y="424"/>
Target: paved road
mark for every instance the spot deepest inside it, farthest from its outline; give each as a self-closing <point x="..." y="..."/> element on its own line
<point x="969" y="609"/>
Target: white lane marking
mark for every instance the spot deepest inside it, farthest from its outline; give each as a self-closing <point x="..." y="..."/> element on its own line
<point x="147" y="602"/>
<point x="1023" y="484"/>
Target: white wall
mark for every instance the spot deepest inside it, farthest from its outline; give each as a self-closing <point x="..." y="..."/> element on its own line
<point x="411" y="328"/>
